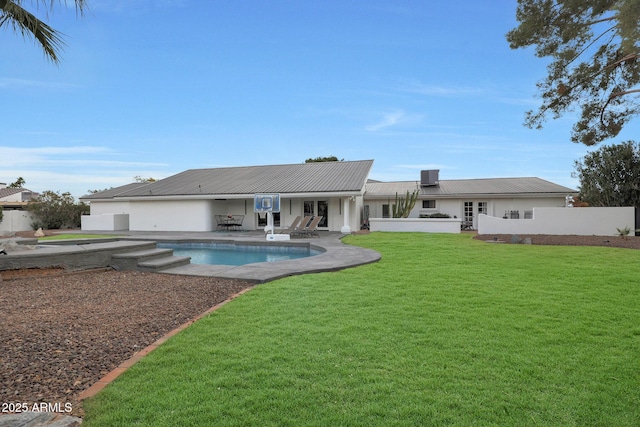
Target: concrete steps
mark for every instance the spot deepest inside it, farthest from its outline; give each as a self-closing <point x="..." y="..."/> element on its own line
<point x="153" y="260"/>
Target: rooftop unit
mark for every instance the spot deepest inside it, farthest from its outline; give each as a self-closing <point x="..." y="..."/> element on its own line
<point x="429" y="178"/>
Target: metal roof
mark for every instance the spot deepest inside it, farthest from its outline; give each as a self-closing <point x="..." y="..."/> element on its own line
<point x="320" y="177"/>
<point x="470" y="187"/>
<point x="113" y="192"/>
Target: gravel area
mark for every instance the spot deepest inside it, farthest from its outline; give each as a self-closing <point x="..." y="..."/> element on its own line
<point x="62" y="332"/>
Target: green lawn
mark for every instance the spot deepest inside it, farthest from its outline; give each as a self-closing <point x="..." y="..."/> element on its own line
<point x="444" y="330"/>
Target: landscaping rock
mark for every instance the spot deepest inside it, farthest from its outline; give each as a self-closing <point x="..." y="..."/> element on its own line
<point x="516" y="239"/>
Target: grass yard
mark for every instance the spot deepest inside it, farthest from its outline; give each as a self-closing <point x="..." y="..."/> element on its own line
<point x="444" y="330"/>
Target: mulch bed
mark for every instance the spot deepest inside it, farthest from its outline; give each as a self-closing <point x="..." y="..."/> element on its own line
<point x="63" y="332"/>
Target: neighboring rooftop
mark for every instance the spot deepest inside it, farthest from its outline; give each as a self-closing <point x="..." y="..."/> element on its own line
<point x="25" y="194"/>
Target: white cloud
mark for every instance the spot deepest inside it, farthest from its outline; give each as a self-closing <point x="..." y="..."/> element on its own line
<point x="440" y="90"/>
<point x="389" y="119"/>
<point x="75" y="169"/>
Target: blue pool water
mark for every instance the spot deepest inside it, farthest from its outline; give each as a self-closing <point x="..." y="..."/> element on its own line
<point x="230" y="254"/>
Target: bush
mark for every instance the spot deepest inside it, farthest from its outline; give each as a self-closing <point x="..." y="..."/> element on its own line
<point x="53" y="210"/>
<point x="436" y="215"/>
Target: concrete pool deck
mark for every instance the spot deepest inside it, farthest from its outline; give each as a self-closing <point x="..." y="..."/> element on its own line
<point x="336" y="255"/>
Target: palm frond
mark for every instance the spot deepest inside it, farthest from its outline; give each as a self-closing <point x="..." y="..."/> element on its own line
<point x="24" y="22"/>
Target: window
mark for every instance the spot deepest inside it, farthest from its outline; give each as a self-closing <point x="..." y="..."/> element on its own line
<point x="428" y="204"/>
<point x="385" y="211"/>
<point x="482" y="208"/>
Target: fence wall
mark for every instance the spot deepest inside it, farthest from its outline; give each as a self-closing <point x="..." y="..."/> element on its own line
<point x="425" y="225"/>
<point x="105" y="222"/>
<point x="15" y="220"/>
<point x="558" y="221"/>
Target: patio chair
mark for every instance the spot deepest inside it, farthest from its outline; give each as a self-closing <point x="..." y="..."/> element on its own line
<point x="311" y="229"/>
<point x="293" y="225"/>
<point x="299" y="228"/>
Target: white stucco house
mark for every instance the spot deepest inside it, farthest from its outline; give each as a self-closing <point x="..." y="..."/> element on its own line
<point x="192" y="200"/>
<point x="340" y="192"/>
<point x="512" y="198"/>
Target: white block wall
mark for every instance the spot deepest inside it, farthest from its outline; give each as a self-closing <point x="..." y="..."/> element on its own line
<point x="16" y="220"/>
<point x="559" y="221"/>
<point x="424" y="225"/>
<point x="105" y="222"/>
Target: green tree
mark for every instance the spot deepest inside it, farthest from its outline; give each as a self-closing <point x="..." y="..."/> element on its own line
<point x="323" y="159"/>
<point x="610" y="176"/>
<point x="594" y="46"/>
<point x="53" y="210"/>
<point x="24" y="22"/>
<point x="20" y="182"/>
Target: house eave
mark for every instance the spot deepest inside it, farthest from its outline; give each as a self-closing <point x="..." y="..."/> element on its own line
<point x="331" y="194"/>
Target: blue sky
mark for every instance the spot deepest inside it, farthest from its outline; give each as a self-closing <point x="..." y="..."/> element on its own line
<point x="154" y="87"/>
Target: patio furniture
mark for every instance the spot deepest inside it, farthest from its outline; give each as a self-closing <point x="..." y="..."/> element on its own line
<point x="229" y="222"/>
<point x="309" y="230"/>
<point x="293" y="225"/>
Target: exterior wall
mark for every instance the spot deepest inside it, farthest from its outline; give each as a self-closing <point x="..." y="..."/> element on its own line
<point x="425" y="225"/>
<point x="105" y="222"/>
<point x="455" y="207"/>
<point x="199" y="215"/>
<point x="99" y="208"/>
<point x="16" y="197"/>
<point x="16" y="220"/>
<point x="570" y="221"/>
<point x="172" y="215"/>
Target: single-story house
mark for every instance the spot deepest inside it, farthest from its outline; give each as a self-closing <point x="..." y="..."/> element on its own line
<point x="193" y="200"/>
<point x="467" y="198"/>
<point x="340" y="192"/>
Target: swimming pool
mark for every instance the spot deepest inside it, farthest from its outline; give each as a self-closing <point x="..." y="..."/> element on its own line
<point x="232" y="254"/>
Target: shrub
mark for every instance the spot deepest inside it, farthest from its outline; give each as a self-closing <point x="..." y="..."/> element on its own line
<point x="53" y="210"/>
<point x="435" y="215"/>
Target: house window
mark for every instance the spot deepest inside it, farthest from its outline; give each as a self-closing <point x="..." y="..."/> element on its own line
<point x="428" y="204"/>
<point x="385" y="211"/>
<point x="482" y="208"/>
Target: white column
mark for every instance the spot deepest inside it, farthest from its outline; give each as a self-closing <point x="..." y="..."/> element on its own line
<point x="346" y="228"/>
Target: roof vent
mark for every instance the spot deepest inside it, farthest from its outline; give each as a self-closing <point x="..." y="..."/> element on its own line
<point x="429" y="178"/>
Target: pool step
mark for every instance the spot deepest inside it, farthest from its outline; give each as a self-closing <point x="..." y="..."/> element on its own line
<point x="148" y="260"/>
<point x="164" y="263"/>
